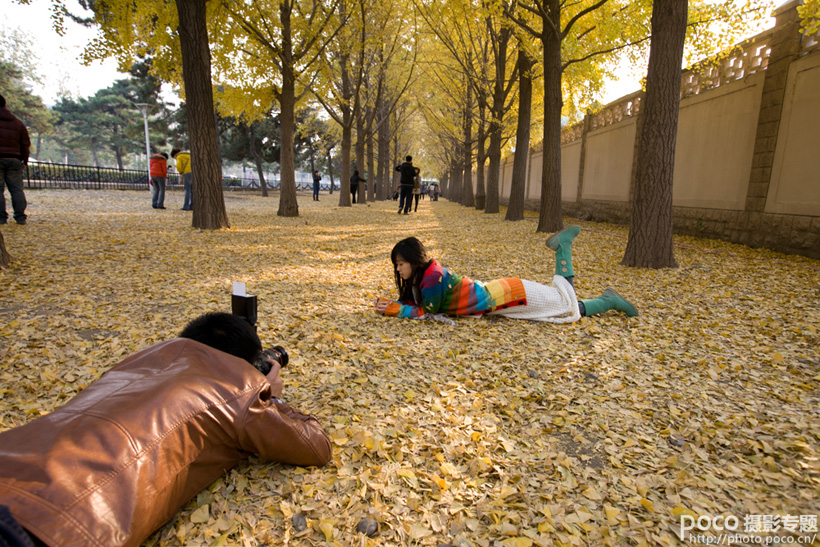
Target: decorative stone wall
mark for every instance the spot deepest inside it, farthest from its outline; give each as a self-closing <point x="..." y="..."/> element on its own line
<point x="750" y="120"/>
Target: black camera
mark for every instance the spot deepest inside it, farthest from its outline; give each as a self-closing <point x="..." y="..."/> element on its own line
<point x="276" y="353"/>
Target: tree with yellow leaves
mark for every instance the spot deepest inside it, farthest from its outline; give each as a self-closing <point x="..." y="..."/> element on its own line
<point x="352" y="61"/>
<point x="479" y="37"/>
<point x="582" y="37"/>
<point x="176" y="37"/>
<point x="809" y="16"/>
<point x="279" y="43"/>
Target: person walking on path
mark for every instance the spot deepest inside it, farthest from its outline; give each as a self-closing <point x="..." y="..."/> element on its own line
<point x="122" y="457"/>
<point x="354" y="184"/>
<point x="15" y="146"/>
<point x="183" y="161"/>
<point x="416" y="189"/>
<point x="429" y="290"/>
<point x="433" y="191"/>
<point x="159" y="172"/>
<point x="317" y="178"/>
<point x="406" y="184"/>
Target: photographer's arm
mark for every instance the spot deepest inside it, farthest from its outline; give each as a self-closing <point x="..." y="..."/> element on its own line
<point x="282" y="434"/>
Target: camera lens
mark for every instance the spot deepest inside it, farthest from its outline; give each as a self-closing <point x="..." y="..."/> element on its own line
<point x="276" y="353"/>
<point x="283" y="356"/>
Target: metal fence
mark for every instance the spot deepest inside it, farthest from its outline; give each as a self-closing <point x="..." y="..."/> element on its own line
<point x="86" y="177"/>
<point x="57" y="175"/>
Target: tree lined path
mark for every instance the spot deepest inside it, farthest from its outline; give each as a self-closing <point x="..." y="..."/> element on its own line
<point x="492" y="432"/>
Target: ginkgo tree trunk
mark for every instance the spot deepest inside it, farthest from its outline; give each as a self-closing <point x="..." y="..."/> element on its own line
<point x="650" y="231"/>
<point x="5" y="258"/>
<point x="209" y="203"/>
<point x="515" y="209"/>
<point x="129" y="30"/>
<point x="467" y="195"/>
<point x="288" y="205"/>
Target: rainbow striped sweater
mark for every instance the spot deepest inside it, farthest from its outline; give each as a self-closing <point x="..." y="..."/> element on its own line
<point x="445" y="292"/>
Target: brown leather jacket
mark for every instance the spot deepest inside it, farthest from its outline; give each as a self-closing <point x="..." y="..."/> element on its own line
<point x="122" y="457"/>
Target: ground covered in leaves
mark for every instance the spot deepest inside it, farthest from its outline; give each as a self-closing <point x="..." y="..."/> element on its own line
<point x="493" y="432"/>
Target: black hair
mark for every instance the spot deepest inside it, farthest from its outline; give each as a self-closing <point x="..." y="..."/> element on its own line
<point x="225" y="332"/>
<point x="409" y="158"/>
<point x="164" y="155"/>
<point x="412" y="251"/>
<point x="175" y="151"/>
<point x="2" y="102"/>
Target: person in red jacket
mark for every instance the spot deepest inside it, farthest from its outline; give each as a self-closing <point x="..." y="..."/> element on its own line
<point x="14" y="150"/>
<point x="121" y="458"/>
<point x="159" y="171"/>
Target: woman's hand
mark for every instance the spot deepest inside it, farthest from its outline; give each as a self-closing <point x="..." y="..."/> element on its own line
<point x="381" y="305"/>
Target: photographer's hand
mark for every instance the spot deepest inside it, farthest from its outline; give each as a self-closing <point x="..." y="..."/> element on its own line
<point x="276" y="382"/>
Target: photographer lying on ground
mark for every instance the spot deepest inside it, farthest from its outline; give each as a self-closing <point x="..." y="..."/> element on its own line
<point x="122" y="457"/>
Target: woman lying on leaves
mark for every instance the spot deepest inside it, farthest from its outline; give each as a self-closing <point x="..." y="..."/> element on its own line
<point x="428" y="290"/>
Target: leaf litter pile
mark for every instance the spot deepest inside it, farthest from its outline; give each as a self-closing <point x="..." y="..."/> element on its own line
<point x="493" y="432"/>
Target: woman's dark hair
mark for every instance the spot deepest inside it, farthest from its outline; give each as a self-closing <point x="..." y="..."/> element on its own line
<point x="412" y="251"/>
<point x="174" y="152"/>
<point x="225" y="332"/>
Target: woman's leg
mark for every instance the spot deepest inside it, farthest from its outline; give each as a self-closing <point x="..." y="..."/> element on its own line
<point x="561" y="243"/>
<point x="609" y="300"/>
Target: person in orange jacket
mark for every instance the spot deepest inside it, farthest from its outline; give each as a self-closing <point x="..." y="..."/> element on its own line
<point x="158" y="165"/>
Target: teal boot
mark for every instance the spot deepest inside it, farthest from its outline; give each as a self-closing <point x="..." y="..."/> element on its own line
<point x="610" y="300"/>
<point x="561" y="243"/>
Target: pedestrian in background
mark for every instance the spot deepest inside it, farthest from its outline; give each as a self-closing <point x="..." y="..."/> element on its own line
<point x="354" y="183"/>
<point x="158" y="165"/>
<point x="406" y="184"/>
<point x="183" y="161"/>
<point x="416" y="189"/>
<point x="317" y="178"/>
<point x="15" y="146"/>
